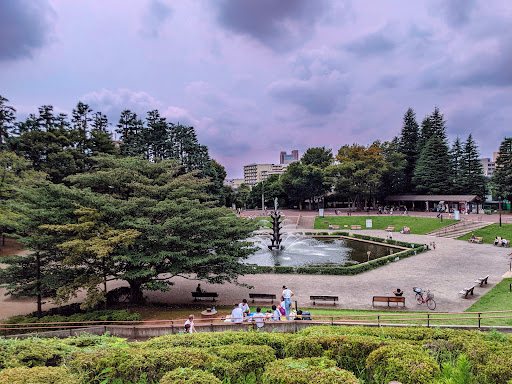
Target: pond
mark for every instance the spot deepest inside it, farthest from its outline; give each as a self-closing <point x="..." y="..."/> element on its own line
<point x="302" y="251"/>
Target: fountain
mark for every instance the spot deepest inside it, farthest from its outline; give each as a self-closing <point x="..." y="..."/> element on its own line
<point x="276" y="233"/>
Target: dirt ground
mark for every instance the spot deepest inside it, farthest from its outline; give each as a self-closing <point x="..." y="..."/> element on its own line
<point x="11" y="247"/>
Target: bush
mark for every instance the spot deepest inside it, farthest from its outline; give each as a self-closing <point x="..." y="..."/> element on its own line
<point x="32" y="352"/>
<point x="405" y="363"/>
<point x="187" y="375"/>
<point x="237" y="361"/>
<point x="306" y="371"/>
<point x="37" y="375"/>
<point x="132" y="364"/>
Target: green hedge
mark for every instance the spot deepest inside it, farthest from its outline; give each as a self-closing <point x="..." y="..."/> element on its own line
<point x="37" y="375"/>
<point x="189" y="376"/>
<point x="352" y="269"/>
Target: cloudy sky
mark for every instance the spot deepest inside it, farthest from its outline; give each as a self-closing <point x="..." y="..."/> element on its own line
<point x="259" y="77"/>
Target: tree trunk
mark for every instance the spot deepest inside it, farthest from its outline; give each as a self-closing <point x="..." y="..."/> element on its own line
<point x="38" y="286"/>
<point x="136" y="295"/>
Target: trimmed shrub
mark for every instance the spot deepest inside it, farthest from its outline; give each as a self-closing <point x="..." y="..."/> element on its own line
<point x="351" y="352"/>
<point x="132" y="364"/>
<point x="37" y="375"/>
<point x="404" y="363"/>
<point x="237" y="361"/>
<point x="306" y="371"/>
<point x="189" y="376"/>
<point x="32" y="352"/>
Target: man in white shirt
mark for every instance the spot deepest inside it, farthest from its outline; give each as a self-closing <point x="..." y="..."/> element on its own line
<point x="259" y="318"/>
<point x="237" y="316"/>
<point x="245" y="307"/>
<point x="286" y="296"/>
<point x="190" y="322"/>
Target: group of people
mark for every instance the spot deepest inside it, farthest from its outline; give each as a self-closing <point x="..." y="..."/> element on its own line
<point x="501" y="242"/>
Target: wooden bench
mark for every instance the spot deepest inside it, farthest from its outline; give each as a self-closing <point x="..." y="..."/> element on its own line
<point x="355" y="227"/>
<point x="335" y="227"/>
<point x="477" y="240"/>
<point x="390" y="228"/>
<point x="262" y="296"/>
<point x="324" y="298"/>
<point x="482" y="280"/>
<point x="388" y="299"/>
<point x="197" y="295"/>
<point x="467" y="291"/>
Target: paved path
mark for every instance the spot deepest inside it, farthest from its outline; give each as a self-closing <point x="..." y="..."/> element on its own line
<point x="445" y="271"/>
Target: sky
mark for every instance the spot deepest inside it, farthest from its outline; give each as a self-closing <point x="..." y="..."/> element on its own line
<point x="255" y="78"/>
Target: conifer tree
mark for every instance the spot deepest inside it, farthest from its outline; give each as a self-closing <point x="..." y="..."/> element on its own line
<point x="7" y="118"/>
<point x="473" y="181"/>
<point x="456" y="155"/>
<point x="502" y="177"/>
<point x="432" y="173"/>
<point x="408" y="145"/>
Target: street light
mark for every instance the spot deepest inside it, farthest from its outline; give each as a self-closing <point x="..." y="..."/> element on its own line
<point x="499" y="203"/>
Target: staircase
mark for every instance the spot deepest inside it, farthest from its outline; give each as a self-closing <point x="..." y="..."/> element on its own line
<point x="459" y="229"/>
<point x="306" y="222"/>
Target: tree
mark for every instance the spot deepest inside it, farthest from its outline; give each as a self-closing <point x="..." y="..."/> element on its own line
<point x="473" y="181"/>
<point x="432" y="173"/>
<point x="408" y="145"/>
<point x="181" y="230"/>
<point x="502" y="177"/>
<point x="394" y="178"/>
<point x="88" y="248"/>
<point x="7" y="118"/>
<point x="456" y="155"/>
<point x="242" y="195"/>
<point x="318" y="157"/>
<point x="358" y="174"/>
<point x="272" y="188"/>
<point x="304" y="181"/>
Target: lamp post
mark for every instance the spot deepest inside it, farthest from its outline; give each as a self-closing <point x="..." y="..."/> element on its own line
<point x="499" y="203"/>
<point x="262" y="194"/>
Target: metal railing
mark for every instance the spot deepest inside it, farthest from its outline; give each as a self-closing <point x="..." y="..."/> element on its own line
<point x="444" y="319"/>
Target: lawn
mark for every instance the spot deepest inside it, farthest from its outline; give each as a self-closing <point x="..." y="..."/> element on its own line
<point x="490" y="232"/>
<point x="418" y="225"/>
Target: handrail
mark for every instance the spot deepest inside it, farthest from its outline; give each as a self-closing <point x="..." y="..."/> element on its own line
<point x="377" y="318"/>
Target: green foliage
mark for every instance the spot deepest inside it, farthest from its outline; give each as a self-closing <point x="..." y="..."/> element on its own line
<point x="304" y="181"/>
<point x="431" y="175"/>
<point x="490" y="232"/>
<point x="502" y="176"/>
<point x="408" y="145"/>
<point x="460" y="373"/>
<point x="132" y="364"/>
<point x="37" y="375"/>
<point x="318" y="157"/>
<point x="188" y="375"/>
<point x="32" y="353"/>
<point x="407" y="364"/>
<point x="237" y="361"/>
<point x="306" y="371"/>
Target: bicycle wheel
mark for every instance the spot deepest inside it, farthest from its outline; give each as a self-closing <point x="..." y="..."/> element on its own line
<point x="419" y="299"/>
<point x="431" y="304"/>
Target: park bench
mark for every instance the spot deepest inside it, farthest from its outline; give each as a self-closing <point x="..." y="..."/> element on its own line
<point x="388" y="299"/>
<point x="477" y="240"/>
<point x="355" y="227"/>
<point x="335" y="227"/>
<point x="467" y="291"/>
<point x="197" y="295"/>
<point x="324" y="298"/>
<point x="390" y="228"/>
<point x="482" y="280"/>
<point x="262" y="296"/>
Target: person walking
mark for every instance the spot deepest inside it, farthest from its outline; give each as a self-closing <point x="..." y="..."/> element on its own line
<point x="189" y="324"/>
<point x="286" y="296"/>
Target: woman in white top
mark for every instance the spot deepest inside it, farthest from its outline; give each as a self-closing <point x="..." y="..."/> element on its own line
<point x="190" y="322"/>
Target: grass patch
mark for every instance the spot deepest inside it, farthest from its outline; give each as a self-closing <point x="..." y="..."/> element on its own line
<point x="418" y="225"/>
<point x="490" y="232"/>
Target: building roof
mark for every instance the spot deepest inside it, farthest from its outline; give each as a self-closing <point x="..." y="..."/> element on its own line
<point x="452" y="198"/>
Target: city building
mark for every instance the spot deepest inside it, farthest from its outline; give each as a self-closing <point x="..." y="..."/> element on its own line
<point x="288" y="159"/>
<point x="488" y="166"/>
<point x="256" y="173"/>
<point x="234" y="183"/>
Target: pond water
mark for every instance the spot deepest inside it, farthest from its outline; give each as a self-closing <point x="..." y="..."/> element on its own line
<point x="300" y="251"/>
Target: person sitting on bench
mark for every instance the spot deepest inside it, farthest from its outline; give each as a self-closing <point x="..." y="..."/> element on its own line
<point x="398" y="292"/>
<point x="245" y="307"/>
<point x="497" y="240"/>
<point x="472" y="238"/>
<point x="198" y="288"/>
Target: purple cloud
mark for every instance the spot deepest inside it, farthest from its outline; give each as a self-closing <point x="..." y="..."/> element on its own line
<point x="25" y="26"/>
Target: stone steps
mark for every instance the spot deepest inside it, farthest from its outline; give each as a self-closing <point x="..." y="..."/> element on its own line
<point x="459" y="229"/>
<point x="306" y="222"/>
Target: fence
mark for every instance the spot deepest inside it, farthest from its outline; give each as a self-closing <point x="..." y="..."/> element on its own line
<point x="152" y="328"/>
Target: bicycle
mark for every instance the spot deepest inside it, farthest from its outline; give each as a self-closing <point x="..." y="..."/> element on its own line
<point x="429" y="300"/>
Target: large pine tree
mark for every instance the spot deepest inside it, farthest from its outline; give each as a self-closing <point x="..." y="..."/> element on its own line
<point x="408" y="145"/>
<point x="502" y="177"/>
<point x="432" y="175"/>
<point x="473" y="181"/>
<point x="456" y="155"/>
